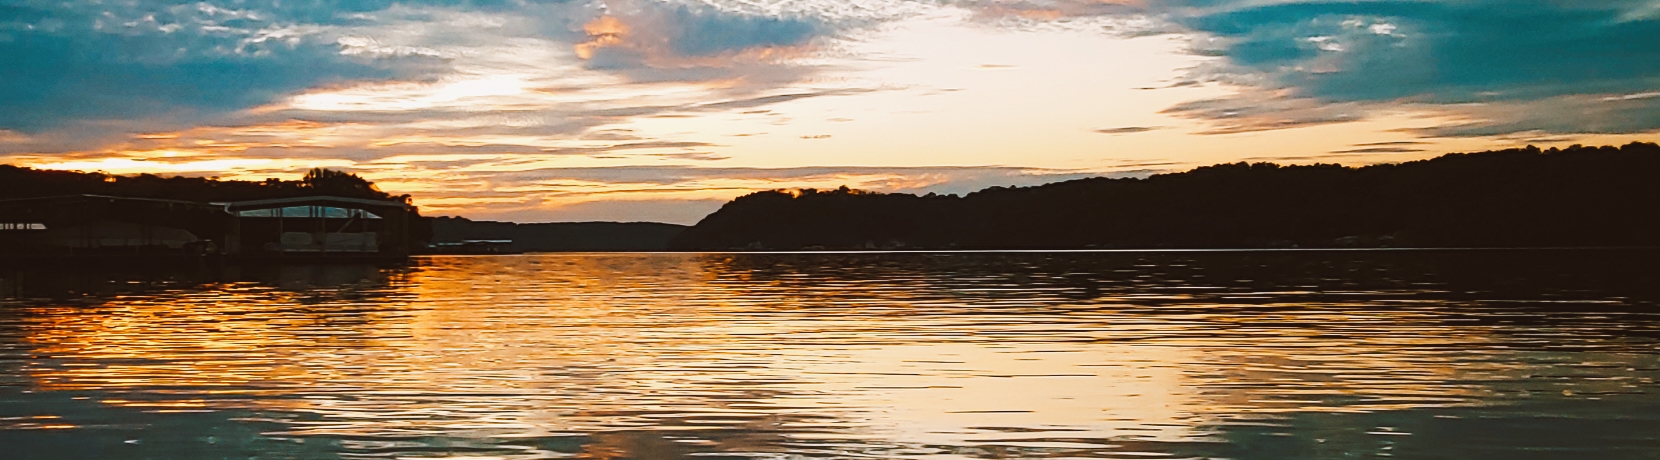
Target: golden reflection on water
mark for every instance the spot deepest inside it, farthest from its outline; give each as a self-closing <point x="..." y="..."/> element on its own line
<point x="756" y="353"/>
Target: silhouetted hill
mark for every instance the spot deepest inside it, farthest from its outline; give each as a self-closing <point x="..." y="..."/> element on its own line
<point x="554" y="237"/>
<point x="1581" y="196"/>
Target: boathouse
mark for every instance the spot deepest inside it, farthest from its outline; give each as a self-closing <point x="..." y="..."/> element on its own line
<point x="97" y="225"/>
<point x="317" y="226"/>
<point x="311" y="227"/>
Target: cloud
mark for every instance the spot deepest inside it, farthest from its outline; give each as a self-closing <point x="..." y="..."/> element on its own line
<point x="1570" y="114"/>
<point x="81" y="73"/>
<point x="769" y="100"/>
<point x="1442" y="52"/>
<point x="1390" y="143"/>
<point x="1128" y="129"/>
<point x="1126" y="17"/>
<point x="1264" y="110"/>
<point x="81" y="64"/>
<point x="650" y="41"/>
<point x="669" y="210"/>
<point x="1370" y="56"/>
<point x="1378" y="150"/>
<point x="706" y="33"/>
<point x="99" y="66"/>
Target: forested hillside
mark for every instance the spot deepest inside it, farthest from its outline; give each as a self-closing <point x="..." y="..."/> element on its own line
<point x="1580" y="196"/>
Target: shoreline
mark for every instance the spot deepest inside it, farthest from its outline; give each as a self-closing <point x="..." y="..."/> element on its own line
<point x="1076" y="251"/>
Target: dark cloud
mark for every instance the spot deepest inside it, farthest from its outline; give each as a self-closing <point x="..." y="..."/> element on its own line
<point x="769" y="100"/>
<point x="1145" y="166"/>
<point x="1260" y="111"/>
<point x="1390" y="143"/>
<point x="1378" y="150"/>
<point x="1573" y="114"/>
<point x="1333" y="158"/>
<point x="627" y="146"/>
<point x="1128" y="129"/>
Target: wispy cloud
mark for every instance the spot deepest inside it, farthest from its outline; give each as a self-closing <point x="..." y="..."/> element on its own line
<point x="1263" y="110"/>
<point x="1390" y="143"/>
<point x="1128" y="129"/>
<point x="1378" y="150"/>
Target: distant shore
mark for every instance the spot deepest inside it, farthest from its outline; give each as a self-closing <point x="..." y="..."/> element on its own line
<point x="1516" y="198"/>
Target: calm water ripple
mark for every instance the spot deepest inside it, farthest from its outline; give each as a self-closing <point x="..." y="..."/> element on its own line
<point x="1246" y="355"/>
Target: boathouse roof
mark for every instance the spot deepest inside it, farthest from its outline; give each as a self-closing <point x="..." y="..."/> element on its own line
<point x="311" y="200"/>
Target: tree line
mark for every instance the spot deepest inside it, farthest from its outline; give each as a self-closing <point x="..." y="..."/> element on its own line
<point x="21" y="182"/>
<point x="1524" y="197"/>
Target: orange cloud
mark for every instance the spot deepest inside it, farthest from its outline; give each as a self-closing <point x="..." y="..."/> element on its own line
<point x="653" y="37"/>
<point x="602" y="32"/>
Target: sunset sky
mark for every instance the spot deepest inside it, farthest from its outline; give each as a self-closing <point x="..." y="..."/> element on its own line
<point x="661" y="110"/>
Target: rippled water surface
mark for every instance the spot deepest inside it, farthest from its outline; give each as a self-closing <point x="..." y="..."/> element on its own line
<point x="1244" y="355"/>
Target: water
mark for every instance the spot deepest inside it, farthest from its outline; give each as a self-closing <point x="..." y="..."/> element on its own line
<point x="1244" y="355"/>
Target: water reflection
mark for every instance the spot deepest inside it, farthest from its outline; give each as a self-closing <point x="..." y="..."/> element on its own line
<point x="946" y="355"/>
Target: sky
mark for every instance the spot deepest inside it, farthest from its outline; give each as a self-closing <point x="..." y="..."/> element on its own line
<point x="662" y="110"/>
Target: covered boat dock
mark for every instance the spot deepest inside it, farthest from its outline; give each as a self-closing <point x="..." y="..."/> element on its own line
<point x="304" y="228"/>
<point x="97" y="225"/>
<point x="317" y="226"/>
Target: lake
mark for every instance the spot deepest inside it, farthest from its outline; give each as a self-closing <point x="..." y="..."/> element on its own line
<point x="1491" y="354"/>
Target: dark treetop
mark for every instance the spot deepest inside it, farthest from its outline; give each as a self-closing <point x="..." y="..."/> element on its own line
<point x="1581" y="196"/>
<point x="16" y="182"/>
